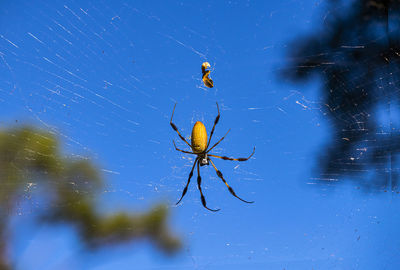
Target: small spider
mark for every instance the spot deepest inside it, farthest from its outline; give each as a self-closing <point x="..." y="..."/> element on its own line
<point x="200" y="147"/>
<point x="207" y="81"/>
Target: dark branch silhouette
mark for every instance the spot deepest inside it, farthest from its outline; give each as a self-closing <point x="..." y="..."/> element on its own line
<point x="30" y="157"/>
<point x="356" y="53"/>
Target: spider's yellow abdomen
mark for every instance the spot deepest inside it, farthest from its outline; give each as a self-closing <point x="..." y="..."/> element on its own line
<point x="199" y="137"/>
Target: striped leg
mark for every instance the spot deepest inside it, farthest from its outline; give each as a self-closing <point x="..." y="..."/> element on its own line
<point x="237" y="159"/>
<point x="188" y="181"/>
<point x="203" y="200"/>
<point x="229" y="188"/>
<point x="215" y="123"/>
<point x="220" y="140"/>
<point x="176" y="129"/>
<point x="183" y="151"/>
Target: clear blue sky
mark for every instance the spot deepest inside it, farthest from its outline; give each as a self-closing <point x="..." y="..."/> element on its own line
<point x="104" y="76"/>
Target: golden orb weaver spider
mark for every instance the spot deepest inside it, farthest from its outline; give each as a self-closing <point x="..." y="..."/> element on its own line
<point x="200" y="147"/>
<point x="207" y="81"/>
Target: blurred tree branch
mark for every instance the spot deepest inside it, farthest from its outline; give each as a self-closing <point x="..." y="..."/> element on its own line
<point x="31" y="156"/>
<point x="357" y="55"/>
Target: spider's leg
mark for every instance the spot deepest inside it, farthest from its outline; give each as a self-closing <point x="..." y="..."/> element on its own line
<point x="218" y="141"/>
<point x="176" y="129"/>
<point x="237" y="159"/>
<point x="203" y="200"/>
<point x="183" y="151"/>
<point x="215" y="123"/>
<point x="188" y="181"/>
<point x="219" y="173"/>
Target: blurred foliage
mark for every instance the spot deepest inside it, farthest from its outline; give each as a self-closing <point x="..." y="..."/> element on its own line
<point x="356" y="53"/>
<point x="31" y="157"/>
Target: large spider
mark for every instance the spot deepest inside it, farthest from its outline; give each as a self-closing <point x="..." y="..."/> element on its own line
<point x="200" y="147"/>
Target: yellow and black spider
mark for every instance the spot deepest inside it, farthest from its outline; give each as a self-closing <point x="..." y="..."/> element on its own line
<point x="207" y="81"/>
<point x="200" y="147"/>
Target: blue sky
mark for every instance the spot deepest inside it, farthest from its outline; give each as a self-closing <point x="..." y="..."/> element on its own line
<point x="104" y="76"/>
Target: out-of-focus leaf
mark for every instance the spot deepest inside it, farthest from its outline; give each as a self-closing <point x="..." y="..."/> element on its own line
<point x="31" y="156"/>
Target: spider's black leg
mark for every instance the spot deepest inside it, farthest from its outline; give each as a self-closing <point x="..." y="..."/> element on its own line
<point x="218" y="142"/>
<point x="219" y="173"/>
<point x="183" y="151"/>
<point x="203" y="200"/>
<point x="176" y="129"/>
<point x="188" y="181"/>
<point x="237" y="159"/>
<point x="215" y="123"/>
